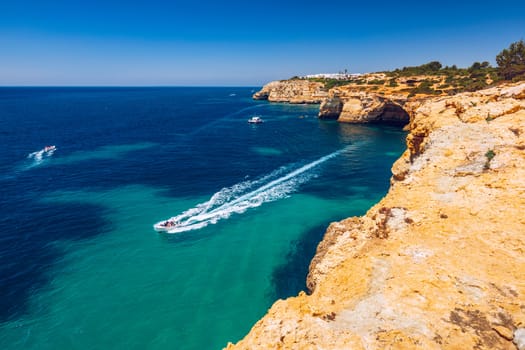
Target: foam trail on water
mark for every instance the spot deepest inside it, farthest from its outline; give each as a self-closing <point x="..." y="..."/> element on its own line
<point x="225" y="195"/>
<point x="245" y="195"/>
<point x="38" y="157"/>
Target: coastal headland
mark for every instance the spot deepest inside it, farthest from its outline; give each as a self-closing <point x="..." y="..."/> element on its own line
<point x="352" y="103"/>
<point x="375" y="97"/>
<point x="439" y="262"/>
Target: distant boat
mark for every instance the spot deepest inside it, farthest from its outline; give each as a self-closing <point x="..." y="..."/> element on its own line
<point x="232" y="95"/>
<point x="255" y="120"/>
<point x="165" y="226"/>
<point x="50" y="148"/>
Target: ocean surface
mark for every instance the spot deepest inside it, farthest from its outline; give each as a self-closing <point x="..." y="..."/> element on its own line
<point x="80" y="264"/>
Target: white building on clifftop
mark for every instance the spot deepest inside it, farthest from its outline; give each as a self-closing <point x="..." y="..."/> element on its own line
<point x="338" y="76"/>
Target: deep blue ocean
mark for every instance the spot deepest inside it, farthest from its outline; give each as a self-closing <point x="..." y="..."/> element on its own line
<point x="81" y="266"/>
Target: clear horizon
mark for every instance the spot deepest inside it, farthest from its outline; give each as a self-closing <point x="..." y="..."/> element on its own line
<point x="116" y="43"/>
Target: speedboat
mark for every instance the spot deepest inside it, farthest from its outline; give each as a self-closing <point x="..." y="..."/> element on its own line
<point x="166" y="225"/>
<point x="255" y="120"/>
<point x="49" y="148"/>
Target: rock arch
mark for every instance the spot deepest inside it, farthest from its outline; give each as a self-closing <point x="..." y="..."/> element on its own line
<point x="364" y="108"/>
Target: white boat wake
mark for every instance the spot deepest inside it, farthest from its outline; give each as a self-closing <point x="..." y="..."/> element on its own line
<point x="243" y="196"/>
<point x="38" y="157"/>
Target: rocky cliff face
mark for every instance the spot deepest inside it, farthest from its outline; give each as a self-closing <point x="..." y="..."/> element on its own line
<point x="331" y="108"/>
<point x="347" y="104"/>
<point x="292" y="91"/>
<point x="439" y="262"/>
<point x="364" y="107"/>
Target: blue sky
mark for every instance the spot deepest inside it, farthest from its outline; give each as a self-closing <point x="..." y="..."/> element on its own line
<point x="241" y="43"/>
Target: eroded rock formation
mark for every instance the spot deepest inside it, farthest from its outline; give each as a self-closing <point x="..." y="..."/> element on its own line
<point x="292" y="91"/>
<point x="439" y="262"/>
<point x="346" y="104"/>
<point x="372" y="108"/>
<point x="364" y="107"/>
<point x="331" y="108"/>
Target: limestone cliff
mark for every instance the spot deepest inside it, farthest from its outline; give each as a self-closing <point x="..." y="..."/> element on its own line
<point x="439" y="262"/>
<point x="364" y="107"/>
<point x="355" y="102"/>
<point x="292" y="91"/>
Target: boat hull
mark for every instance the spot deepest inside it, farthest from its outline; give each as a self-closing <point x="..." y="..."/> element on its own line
<point x="255" y="120"/>
<point x="159" y="227"/>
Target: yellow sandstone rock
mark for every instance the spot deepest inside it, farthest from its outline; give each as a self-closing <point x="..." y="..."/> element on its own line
<point x="439" y="262"/>
<point x="292" y="91"/>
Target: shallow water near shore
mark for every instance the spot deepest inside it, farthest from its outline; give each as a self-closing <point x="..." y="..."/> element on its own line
<point x="80" y="264"/>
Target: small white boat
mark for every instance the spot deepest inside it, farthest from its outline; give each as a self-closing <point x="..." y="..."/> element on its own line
<point x="255" y="120"/>
<point x="164" y="226"/>
<point x="50" y="148"/>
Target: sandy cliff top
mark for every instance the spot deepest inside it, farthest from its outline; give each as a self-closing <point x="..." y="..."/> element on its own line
<point x="439" y="263"/>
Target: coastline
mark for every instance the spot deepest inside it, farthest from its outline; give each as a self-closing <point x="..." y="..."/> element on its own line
<point x="437" y="263"/>
<point x="366" y="103"/>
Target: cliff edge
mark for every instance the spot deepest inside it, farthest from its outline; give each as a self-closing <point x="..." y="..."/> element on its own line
<point x="439" y="262"/>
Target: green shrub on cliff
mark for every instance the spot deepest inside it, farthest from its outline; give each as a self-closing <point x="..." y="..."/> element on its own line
<point x="476" y="66"/>
<point x="425" y="87"/>
<point x="511" y="61"/>
<point x="431" y="68"/>
<point x="475" y="85"/>
<point x="393" y="83"/>
<point x="330" y="83"/>
<point x="490" y="154"/>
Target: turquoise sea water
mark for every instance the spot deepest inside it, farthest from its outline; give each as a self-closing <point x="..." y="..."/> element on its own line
<point x="82" y="267"/>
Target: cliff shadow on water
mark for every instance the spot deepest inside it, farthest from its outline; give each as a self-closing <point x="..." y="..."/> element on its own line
<point x="289" y="278"/>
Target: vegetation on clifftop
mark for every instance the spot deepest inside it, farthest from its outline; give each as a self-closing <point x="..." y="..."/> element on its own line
<point x="454" y="79"/>
<point x="433" y="79"/>
<point x="511" y="62"/>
